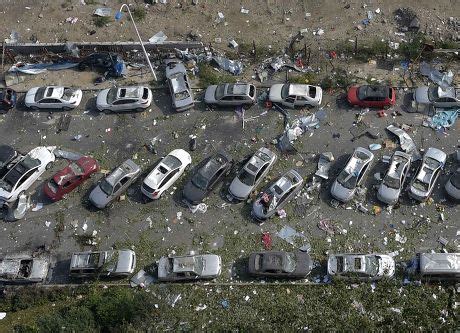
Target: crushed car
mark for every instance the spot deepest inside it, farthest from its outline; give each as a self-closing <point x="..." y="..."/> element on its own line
<point x="191" y="267"/>
<point x="165" y="173"/>
<point x="292" y="95"/>
<point x="67" y="179"/>
<point x="111" y="263"/>
<point x="360" y="267"/>
<point x="453" y="185"/>
<point x="179" y="85"/>
<point x="109" y="62"/>
<point x="438" y="97"/>
<point x="135" y="98"/>
<point x="280" y="264"/>
<point x="53" y="97"/>
<point x="252" y="173"/>
<point x="23" y="268"/>
<point x="352" y="175"/>
<point x="114" y="184"/>
<point x="423" y="183"/>
<point x="276" y="196"/>
<point x="393" y="181"/>
<point x="230" y="94"/>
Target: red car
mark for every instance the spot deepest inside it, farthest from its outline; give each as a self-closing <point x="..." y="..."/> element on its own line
<point x="70" y="177"/>
<point x="372" y="96"/>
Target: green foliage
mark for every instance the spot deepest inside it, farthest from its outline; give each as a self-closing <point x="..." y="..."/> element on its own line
<point x="209" y="76"/>
<point x="307" y="78"/>
<point x="101" y="21"/>
<point x="262" y="51"/>
<point x="139" y="13"/>
<point x="412" y="49"/>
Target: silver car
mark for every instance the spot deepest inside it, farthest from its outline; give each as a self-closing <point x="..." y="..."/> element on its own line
<point x="423" y="183"/>
<point x="292" y="95"/>
<point x="277" y="195"/>
<point x="115" y="263"/>
<point x="23" y="268"/>
<point x="393" y="181"/>
<point x="360" y="267"/>
<point x="346" y="183"/>
<point x="136" y="98"/>
<point x="179" y="86"/>
<point x="436" y="96"/>
<point x="113" y="185"/>
<point x="230" y="94"/>
<point x="453" y="185"/>
<point x="251" y="174"/>
<point x="192" y="267"/>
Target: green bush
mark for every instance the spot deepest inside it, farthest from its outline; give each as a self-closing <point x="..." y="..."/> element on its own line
<point x="139" y="14"/>
<point x="209" y="76"/>
<point x="101" y="21"/>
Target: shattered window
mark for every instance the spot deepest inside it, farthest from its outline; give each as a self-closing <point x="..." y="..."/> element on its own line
<point x="68" y="93"/>
<point x="40" y="94"/>
<point x="112" y="95"/>
<point x="106" y="187"/>
<point x="347" y="180"/>
<point x="289" y="264"/>
<point x="278" y="190"/>
<point x="285" y="91"/>
<point x="220" y="91"/>
<point x="420" y="185"/>
<point x="372" y="265"/>
<point x="172" y="162"/>
<point x="246" y="178"/>
<point x="392" y="182"/>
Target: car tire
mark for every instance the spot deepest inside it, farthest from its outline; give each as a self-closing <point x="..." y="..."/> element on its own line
<point x="65" y="108"/>
<point x="386" y="107"/>
<point x="82" y="66"/>
<point x="48" y="166"/>
<point x="107" y="111"/>
<point x="35" y="108"/>
<point x="139" y="109"/>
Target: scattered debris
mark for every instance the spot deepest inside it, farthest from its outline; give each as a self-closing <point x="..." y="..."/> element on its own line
<point x="442" y="119"/>
<point x="324" y="164"/>
<point x="406" y="142"/>
<point x="141" y="279"/>
<point x="158" y="38"/>
<point x="443" y="80"/>
<point x="267" y="240"/>
<point x="289" y="234"/>
<point x="103" y="11"/>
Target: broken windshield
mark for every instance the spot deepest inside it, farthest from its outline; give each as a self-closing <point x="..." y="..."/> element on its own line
<point x="68" y="93"/>
<point x="347" y="180"/>
<point x="289" y="263"/>
<point x="112" y="95"/>
<point x="419" y="185"/>
<point x="76" y="169"/>
<point x="200" y="181"/>
<point x="285" y="91"/>
<point x="372" y="265"/>
<point x="246" y="178"/>
<point x="392" y="182"/>
<point x="220" y="91"/>
<point x="106" y="187"/>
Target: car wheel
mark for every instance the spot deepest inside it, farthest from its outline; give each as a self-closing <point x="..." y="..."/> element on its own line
<point x="66" y="108"/>
<point x="139" y="109"/>
<point x="48" y="166"/>
<point x="35" y="108"/>
<point x="82" y="66"/>
<point x="106" y="111"/>
<point x="386" y="107"/>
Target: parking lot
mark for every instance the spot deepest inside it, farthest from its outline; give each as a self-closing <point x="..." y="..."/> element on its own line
<point x="166" y="226"/>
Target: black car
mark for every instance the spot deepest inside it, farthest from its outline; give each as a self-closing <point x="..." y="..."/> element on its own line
<point x="8" y="157"/>
<point x="280" y="264"/>
<point x="107" y="61"/>
<point x="206" y="177"/>
<point x="8" y="98"/>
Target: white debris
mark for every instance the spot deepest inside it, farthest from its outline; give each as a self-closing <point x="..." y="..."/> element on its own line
<point x="84" y="227"/>
<point x="47" y="223"/>
<point x="2" y="315"/>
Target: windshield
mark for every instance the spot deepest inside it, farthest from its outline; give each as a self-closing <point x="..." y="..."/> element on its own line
<point x="246" y="178"/>
<point x="53" y="186"/>
<point x="432" y="163"/>
<point x="200" y="181"/>
<point x="76" y="169"/>
<point x="220" y="91"/>
<point x="106" y="187"/>
<point x="289" y="264"/>
<point x="285" y="91"/>
<point x="112" y="95"/>
<point x="181" y="95"/>
<point x="433" y="93"/>
<point x="68" y="93"/>
<point x="347" y="180"/>
<point x="40" y="93"/>
<point x="172" y="162"/>
<point x="392" y="182"/>
<point x="420" y="185"/>
<point x="372" y="265"/>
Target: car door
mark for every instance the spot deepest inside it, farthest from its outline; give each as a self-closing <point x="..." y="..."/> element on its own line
<point x="301" y="101"/>
<point x="169" y="179"/>
<point x="290" y="101"/>
<point x="26" y="181"/>
<point x="123" y="104"/>
<point x="49" y="103"/>
<point x="124" y="183"/>
<point x="261" y="173"/>
<point x="227" y="100"/>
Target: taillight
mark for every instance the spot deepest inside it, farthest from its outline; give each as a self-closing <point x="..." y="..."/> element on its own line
<point x="155" y="193"/>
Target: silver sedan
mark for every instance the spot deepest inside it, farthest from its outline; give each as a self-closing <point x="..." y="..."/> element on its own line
<point x="393" y="181"/>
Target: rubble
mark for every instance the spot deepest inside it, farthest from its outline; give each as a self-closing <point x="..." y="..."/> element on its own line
<point x="324" y="164"/>
<point x="406" y="142"/>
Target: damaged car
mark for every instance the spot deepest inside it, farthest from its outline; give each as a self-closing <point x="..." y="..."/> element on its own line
<point x="67" y="179"/>
<point x="251" y="174"/>
<point x="423" y="183"/>
<point x="191" y="267"/>
<point x="277" y="195"/>
<point x="453" y="185"/>
<point x="136" y="98"/>
<point x="53" y="97"/>
<point x="207" y="177"/>
<point x="112" y="263"/>
<point x="280" y="264"/>
<point x="393" y="181"/>
<point x="360" y="267"/>
<point x="8" y="98"/>
<point x="438" y="97"/>
<point x="292" y="95"/>
<point x="113" y="185"/>
<point x="230" y="94"/>
<point x="8" y="157"/>
<point x="179" y="85"/>
<point x="25" y="172"/>
<point x="352" y="175"/>
<point x="23" y="268"/>
<point x="165" y="173"/>
<point x="372" y="96"/>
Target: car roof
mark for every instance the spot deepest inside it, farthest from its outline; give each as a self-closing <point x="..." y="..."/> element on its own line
<point x="54" y="92"/>
<point x="236" y="89"/>
<point x="214" y="163"/>
<point x="439" y="262"/>
<point x="259" y="159"/>
<point x="299" y="89"/>
<point x="286" y="182"/>
<point x="126" y="168"/>
<point x="129" y="92"/>
<point x="184" y="264"/>
<point x="273" y="260"/>
<point x="375" y="91"/>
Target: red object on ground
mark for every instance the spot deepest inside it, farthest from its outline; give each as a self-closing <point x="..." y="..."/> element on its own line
<point x="267" y="240"/>
<point x="381" y="114"/>
<point x="333" y="54"/>
<point x="268" y="104"/>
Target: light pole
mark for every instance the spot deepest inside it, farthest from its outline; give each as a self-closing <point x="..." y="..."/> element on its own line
<point x="118" y="16"/>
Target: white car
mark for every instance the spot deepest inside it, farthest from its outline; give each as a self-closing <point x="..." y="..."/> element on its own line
<point x="360" y="267"/>
<point x="438" y="97"/>
<point x="23" y="268"/>
<point x="25" y="172"/>
<point x="165" y="173"/>
<point x="136" y="98"/>
<point x="392" y="183"/>
<point x="292" y="95"/>
<point x="53" y="97"/>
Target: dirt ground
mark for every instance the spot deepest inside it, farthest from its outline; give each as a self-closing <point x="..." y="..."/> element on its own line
<point x="268" y="22"/>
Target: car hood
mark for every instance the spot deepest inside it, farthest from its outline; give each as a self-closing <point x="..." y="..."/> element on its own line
<point x="126" y="258"/>
<point x="341" y="193"/>
<point x="388" y="195"/>
<point x="30" y="96"/>
<point x="387" y="266"/>
<point x="184" y="103"/>
<point x="275" y="93"/>
<point x="98" y="198"/>
<point x="193" y="194"/>
<point x="210" y="94"/>
<point x="421" y="95"/>
<point x="39" y="269"/>
<point x="212" y="265"/>
<point x="101" y="100"/>
<point x="239" y="190"/>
